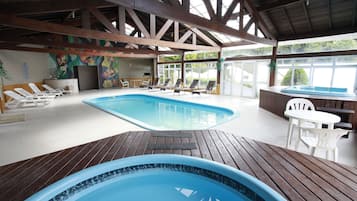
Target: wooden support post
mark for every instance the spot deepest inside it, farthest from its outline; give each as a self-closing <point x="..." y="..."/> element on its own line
<point x="218" y="85"/>
<point x="273" y="66"/>
<point x="183" y="68"/>
<point x="121" y="16"/>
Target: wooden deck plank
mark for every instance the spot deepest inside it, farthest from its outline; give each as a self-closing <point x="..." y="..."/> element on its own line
<point x="241" y="164"/>
<point x="294" y="175"/>
<point x="314" y="177"/>
<point x="320" y="192"/>
<point x="284" y="173"/>
<point x="258" y="171"/>
<point x="226" y="157"/>
<point x="284" y="185"/>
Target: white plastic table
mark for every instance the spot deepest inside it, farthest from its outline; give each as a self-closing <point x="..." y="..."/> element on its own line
<point x="316" y="117"/>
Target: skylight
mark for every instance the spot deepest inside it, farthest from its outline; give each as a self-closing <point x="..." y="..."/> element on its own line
<point x="224" y="38"/>
<point x="198" y="8"/>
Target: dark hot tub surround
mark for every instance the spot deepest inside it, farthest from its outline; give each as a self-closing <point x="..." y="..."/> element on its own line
<point x="273" y="100"/>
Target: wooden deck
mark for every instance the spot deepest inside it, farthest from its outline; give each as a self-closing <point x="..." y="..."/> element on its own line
<point x="296" y="176"/>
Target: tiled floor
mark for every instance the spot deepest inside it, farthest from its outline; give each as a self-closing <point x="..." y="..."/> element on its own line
<point x="68" y="122"/>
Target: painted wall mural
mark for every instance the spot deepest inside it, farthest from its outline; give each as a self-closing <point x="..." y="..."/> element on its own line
<point x="108" y="67"/>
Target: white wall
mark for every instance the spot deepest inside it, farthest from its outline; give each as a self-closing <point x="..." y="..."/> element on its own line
<point x="134" y="68"/>
<point x="14" y="62"/>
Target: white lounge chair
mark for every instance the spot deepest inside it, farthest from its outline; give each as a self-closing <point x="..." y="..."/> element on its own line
<point x="27" y="94"/>
<point x="21" y="101"/>
<point x="49" y="89"/>
<point x="37" y="91"/>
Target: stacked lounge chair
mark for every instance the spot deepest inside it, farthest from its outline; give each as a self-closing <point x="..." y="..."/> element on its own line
<point x="211" y="84"/>
<point x="37" y="91"/>
<point x="191" y="88"/>
<point x="19" y="101"/>
<point x="27" y="94"/>
<point x="177" y="85"/>
<point x="49" y="89"/>
<point x="154" y="83"/>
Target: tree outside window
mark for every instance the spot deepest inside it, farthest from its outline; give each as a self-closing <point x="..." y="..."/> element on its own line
<point x="295" y="77"/>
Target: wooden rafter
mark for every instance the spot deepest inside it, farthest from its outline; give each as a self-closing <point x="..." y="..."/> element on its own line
<point x="185" y="36"/>
<point x="163" y="29"/>
<point x="289" y="21"/>
<point x="354" y="15"/>
<point x="307" y="15"/>
<point x="76" y="51"/>
<point x="209" y="9"/>
<point x="277" y="4"/>
<point x="176" y="31"/>
<point x="121" y="19"/>
<point x="167" y="11"/>
<point x="43" y="7"/>
<point x="219" y="9"/>
<point x="249" y="23"/>
<point x="329" y="14"/>
<point x="35" y="25"/>
<point x="104" y="20"/>
<point x="241" y="16"/>
<point x="186" y="5"/>
<point x="138" y="22"/>
<point x="152" y="25"/>
<point x="229" y="11"/>
<point x="61" y="44"/>
<point x="260" y="22"/>
<point x="204" y="37"/>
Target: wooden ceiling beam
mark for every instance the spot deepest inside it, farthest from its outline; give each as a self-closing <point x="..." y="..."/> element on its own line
<point x="138" y="22"/>
<point x="237" y="43"/>
<point x="50" y="6"/>
<point x="76" y="51"/>
<point x="104" y="20"/>
<point x="354" y="15"/>
<point x="307" y="15"/>
<point x="259" y="20"/>
<point x="35" y="25"/>
<point x="249" y="24"/>
<point x="277" y="4"/>
<point x="329" y="10"/>
<point x="185" y="36"/>
<point x="163" y="29"/>
<point x="318" y="34"/>
<point x="219" y="10"/>
<point x="289" y="21"/>
<point x="167" y="11"/>
<point x="61" y="44"/>
<point x="229" y="11"/>
<point x="210" y="10"/>
<point x="204" y="37"/>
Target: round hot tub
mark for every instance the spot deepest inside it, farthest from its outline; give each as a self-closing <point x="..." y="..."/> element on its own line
<point x="158" y="177"/>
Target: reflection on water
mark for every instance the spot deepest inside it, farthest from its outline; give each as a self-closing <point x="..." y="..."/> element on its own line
<point x="164" y="113"/>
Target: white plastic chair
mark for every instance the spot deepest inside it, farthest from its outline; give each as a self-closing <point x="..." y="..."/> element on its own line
<point x="52" y="90"/>
<point x="319" y="138"/>
<point x="37" y="91"/>
<point x="124" y="83"/>
<point x="298" y="104"/>
<point x="21" y="101"/>
<point x="27" y="94"/>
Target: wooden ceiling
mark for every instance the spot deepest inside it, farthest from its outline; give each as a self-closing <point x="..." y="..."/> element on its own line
<point x="298" y="19"/>
<point x="166" y="23"/>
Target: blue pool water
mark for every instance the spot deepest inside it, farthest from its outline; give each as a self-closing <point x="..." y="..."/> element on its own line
<point x="159" y="177"/>
<point x="318" y="91"/>
<point x="156" y="113"/>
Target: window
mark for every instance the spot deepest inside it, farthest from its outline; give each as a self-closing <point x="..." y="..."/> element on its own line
<point x="338" y="71"/>
<point x="204" y="72"/>
<point x="169" y="71"/>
